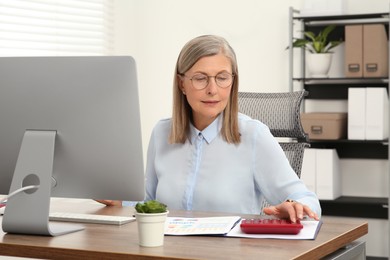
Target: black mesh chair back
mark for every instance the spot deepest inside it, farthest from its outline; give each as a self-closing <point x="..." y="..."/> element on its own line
<point x="281" y="113"/>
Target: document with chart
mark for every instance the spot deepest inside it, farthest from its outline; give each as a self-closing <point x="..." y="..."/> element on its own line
<point x="200" y="226"/>
<point x="229" y="226"/>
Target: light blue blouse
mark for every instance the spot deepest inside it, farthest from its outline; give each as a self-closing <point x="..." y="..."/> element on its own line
<point x="208" y="174"/>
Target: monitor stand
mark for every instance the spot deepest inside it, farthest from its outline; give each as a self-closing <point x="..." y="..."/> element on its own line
<point x="27" y="212"/>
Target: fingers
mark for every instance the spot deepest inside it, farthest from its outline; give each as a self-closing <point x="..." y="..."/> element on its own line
<point x="105" y="202"/>
<point x="270" y="210"/>
<point x="284" y="210"/>
<point x="300" y="210"/>
<point x="292" y="210"/>
<point x="310" y="213"/>
<point x="278" y="211"/>
<point x="110" y="202"/>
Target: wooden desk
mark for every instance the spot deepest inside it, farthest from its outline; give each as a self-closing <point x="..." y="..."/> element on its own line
<point x="121" y="242"/>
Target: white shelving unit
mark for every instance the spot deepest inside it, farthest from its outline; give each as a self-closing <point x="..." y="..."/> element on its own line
<point x="336" y="88"/>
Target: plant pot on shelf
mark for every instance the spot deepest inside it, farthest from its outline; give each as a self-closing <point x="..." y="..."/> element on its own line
<point x="318" y="64"/>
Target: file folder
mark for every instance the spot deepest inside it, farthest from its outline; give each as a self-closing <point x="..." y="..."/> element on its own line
<point x="328" y="185"/>
<point x="377" y="114"/>
<point x="356" y="113"/>
<point x="308" y="172"/>
<point x="375" y="51"/>
<point x="353" y="51"/>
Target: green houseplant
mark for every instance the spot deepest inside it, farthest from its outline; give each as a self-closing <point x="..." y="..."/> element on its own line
<point x="319" y="56"/>
<point x="317" y="43"/>
<point x="151" y="216"/>
<point x="151" y="206"/>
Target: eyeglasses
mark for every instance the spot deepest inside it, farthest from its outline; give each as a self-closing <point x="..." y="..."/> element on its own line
<point x="200" y="80"/>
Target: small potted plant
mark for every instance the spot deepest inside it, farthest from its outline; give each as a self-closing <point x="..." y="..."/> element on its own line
<point x="151" y="216"/>
<point x="319" y="48"/>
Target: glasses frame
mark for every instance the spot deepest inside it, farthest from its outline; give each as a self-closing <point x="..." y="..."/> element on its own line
<point x="208" y="80"/>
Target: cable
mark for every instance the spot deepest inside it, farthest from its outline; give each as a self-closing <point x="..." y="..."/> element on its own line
<point x="30" y="187"/>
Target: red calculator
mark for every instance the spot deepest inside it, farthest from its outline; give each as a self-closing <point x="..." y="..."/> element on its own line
<point x="270" y="226"/>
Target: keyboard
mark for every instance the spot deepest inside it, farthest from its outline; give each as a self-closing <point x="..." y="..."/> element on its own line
<point x="270" y="226"/>
<point x="90" y="218"/>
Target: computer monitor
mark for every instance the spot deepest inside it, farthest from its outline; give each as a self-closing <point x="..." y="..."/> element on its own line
<point x="72" y="126"/>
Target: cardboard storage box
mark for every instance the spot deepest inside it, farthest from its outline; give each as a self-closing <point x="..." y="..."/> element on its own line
<point x="325" y="126"/>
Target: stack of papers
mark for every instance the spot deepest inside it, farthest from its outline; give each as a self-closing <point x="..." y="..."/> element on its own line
<point x="229" y="226"/>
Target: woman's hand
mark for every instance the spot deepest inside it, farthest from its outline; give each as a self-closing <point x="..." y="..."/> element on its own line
<point x="292" y="210"/>
<point x="110" y="202"/>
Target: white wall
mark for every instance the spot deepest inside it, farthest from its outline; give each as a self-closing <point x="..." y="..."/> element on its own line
<point x="258" y="32"/>
<point x="154" y="31"/>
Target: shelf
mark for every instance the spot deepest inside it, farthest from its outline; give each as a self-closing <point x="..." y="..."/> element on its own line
<point x="354" y="81"/>
<point x="355" y="149"/>
<point x="337" y="88"/>
<point x="356" y="207"/>
<point x="343" y="19"/>
<point x="335" y="91"/>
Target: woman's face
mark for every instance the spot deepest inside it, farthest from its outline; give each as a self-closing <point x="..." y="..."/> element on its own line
<point x="209" y="102"/>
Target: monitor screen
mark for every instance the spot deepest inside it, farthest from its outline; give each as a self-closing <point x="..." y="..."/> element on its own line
<point x="82" y="111"/>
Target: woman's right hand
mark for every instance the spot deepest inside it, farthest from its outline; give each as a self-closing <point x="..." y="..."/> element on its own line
<point x="292" y="210"/>
<point x="110" y="202"/>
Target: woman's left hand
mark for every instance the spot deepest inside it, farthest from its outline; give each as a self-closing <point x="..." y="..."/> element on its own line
<point x="110" y="202"/>
<point x="292" y="210"/>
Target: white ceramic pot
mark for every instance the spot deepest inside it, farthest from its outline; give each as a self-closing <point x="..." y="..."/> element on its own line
<point x="318" y="64"/>
<point x="151" y="228"/>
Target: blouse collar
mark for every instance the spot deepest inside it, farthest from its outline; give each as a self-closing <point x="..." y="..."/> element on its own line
<point x="210" y="132"/>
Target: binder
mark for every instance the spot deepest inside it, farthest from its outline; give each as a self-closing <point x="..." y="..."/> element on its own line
<point x="356" y="113"/>
<point x="377" y="114"/>
<point x="353" y="51"/>
<point x="375" y="51"/>
<point x="308" y="172"/>
<point x="328" y="185"/>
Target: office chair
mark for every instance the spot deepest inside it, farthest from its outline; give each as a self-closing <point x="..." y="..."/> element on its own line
<point x="281" y="113"/>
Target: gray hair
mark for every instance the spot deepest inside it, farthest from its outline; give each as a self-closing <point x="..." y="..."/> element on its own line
<point x="203" y="46"/>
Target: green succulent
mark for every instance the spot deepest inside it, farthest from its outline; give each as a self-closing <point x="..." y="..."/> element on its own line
<point x="151" y="206"/>
<point x="317" y="43"/>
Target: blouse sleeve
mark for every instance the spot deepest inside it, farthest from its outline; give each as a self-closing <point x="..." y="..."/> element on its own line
<point x="273" y="174"/>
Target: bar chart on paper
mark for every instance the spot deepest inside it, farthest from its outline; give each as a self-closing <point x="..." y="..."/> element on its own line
<point x="200" y="226"/>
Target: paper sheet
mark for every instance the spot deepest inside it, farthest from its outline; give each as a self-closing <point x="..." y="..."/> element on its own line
<point x="229" y="226"/>
<point x="200" y="226"/>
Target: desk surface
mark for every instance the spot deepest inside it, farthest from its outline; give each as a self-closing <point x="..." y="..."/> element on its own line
<point x="119" y="242"/>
